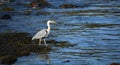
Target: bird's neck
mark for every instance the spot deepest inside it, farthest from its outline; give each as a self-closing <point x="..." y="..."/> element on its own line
<point x="48" y="24"/>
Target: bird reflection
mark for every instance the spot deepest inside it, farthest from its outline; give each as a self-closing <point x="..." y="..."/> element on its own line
<point x="44" y="57"/>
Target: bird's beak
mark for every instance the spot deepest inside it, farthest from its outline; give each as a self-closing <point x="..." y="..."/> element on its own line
<point x="54" y="22"/>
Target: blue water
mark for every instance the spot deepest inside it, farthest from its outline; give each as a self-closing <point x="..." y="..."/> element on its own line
<point x="94" y="29"/>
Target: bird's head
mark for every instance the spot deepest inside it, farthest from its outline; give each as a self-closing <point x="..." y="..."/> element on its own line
<point x="51" y="21"/>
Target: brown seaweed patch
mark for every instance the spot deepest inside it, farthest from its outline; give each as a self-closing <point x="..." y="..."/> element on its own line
<point x="11" y="38"/>
<point x="13" y="45"/>
<point x="8" y="59"/>
<point x="7" y="9"/>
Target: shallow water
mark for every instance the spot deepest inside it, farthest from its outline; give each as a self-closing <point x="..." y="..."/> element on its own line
<point x="94" y="29"/>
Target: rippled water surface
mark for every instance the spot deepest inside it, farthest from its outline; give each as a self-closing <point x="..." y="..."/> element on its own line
<point x="94" y="29"/>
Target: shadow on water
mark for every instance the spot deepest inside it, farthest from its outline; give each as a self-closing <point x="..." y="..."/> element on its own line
<point x="34" y="58"/>
<point x="45" y="57"/>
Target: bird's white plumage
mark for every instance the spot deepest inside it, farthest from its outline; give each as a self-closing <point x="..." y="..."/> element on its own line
<point x="42" y="33"/>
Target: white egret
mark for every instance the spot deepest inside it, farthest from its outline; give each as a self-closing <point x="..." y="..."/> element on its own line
<point x="43" y="33"/>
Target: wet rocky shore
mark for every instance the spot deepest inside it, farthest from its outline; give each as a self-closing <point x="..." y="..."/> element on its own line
<point x="14" y="45"/>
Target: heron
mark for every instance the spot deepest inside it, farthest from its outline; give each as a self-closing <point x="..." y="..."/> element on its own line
<point x="42" y="34"/>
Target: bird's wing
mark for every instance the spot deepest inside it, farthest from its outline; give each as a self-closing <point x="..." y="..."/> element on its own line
<point x="40" y="34"/>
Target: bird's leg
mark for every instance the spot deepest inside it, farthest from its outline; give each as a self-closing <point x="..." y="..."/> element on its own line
<point x="45" y="42"/>
<point x="39" y="42"/>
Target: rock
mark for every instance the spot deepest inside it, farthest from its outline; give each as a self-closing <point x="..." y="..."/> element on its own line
<point x="43" y="3"/>
<point x="8" y="59"/>
<point x="68" y="6"/>
<point x="40" y="4"/>
<point x="24" y="53"/>
<point x="33" y="4"/>
<point x="27" y="12"/>
<point x="17" y="45"/>
<point x="6" y="16"/>
<point x="64" y="44"/>
<point x="42" y="13"/>
<point x="7" y="9"/>
<point x="66" y="61"/>
<point x="114" y="64"/>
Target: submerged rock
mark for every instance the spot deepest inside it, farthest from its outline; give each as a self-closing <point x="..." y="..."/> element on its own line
<point x="6" y="16"/>
<point x="114" y="64"/>
<point x="40" y="4"/>
<point x="66" y="61"/>
<point x="33" y="4"/>
<point x="42" y="13"/>
<point x="68" y="6"/>
<point x="27" y="12"/>
<point x="7" y="9"/>
<point x="97" y="25"/>
<point x="43" y="3"/>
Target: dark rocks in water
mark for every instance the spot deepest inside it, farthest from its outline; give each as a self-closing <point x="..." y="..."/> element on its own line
<point x="61" y="43"/>
<point x="97" y="25"/>
<point x="66" y="61"/>
<point x="33" y="4"/>
<point x="24" y="53"/>
<point x="114" y="64"/>
<point x="43" y="3"/>
<point x="17" y="45"/>
<point x="64" y="44"/>
<point x="40" y="4"/>
<point x="27" y="12"/>
<point x="7" y="9"/>
<point x="68" y="6"/>
<point x="8" y="59"/>
<point x="6" y="16"/>
<point x="42" y="13"/>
